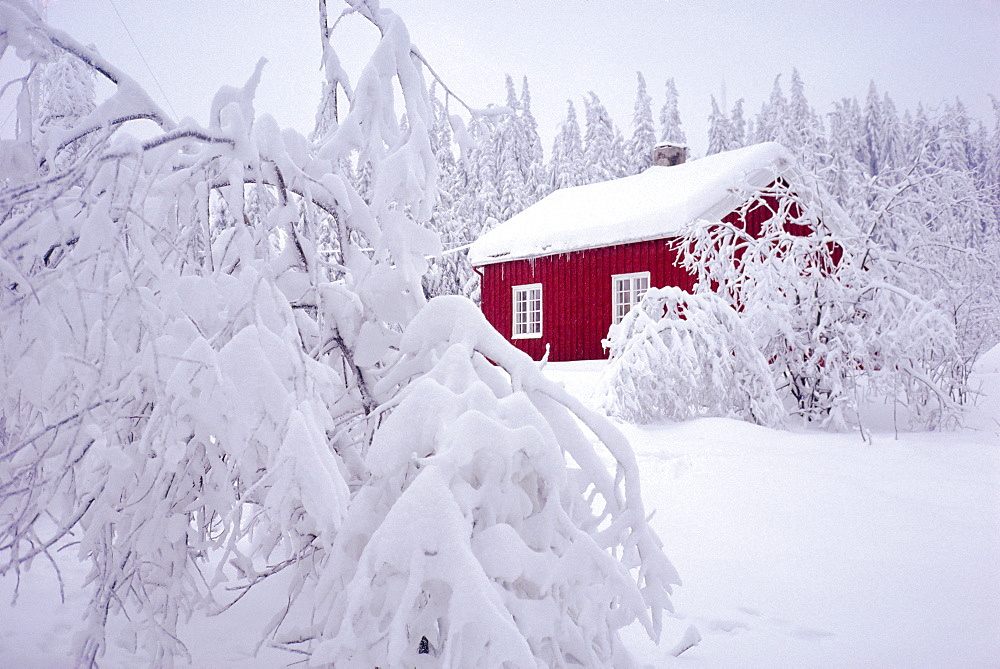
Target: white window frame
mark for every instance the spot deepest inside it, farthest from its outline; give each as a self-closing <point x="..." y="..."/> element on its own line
<point x="523" y="304"/>
<point x="624" y="297"/>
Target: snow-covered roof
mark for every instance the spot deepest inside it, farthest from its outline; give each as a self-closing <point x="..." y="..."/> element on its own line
<point x="650" y="205"/>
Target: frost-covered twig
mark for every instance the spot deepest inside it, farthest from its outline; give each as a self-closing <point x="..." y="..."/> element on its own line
<point x="10" y="453"/>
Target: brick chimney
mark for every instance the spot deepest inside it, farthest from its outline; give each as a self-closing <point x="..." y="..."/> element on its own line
<point x="667" y="153"/>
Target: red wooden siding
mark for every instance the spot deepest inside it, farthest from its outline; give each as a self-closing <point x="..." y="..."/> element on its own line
<point x="576" y="289"/>
<point x="576" y="294"/>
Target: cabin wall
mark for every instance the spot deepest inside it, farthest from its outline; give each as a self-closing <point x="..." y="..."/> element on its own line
<point x="576" y="287"/>
<point x="576" y="294"/>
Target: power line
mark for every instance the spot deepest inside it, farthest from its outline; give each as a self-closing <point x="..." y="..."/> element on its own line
<point x="144" y="61"/>
<point x="7" y="118"/>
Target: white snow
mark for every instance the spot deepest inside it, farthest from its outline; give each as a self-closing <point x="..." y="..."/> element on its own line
<point x="816" y="549"/>
<point x="797" y="549"/>
<point x="650" y="205"/>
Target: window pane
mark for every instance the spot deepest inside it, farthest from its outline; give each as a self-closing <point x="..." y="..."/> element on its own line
<point x="527" y="316"/>
<point x="627" y="291"/>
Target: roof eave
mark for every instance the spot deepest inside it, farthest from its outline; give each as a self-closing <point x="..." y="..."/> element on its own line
<point x="535" y="256"/>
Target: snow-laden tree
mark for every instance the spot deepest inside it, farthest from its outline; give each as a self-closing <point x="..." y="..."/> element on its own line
<point x="803" y="118"/>
<point x="195" y="403"/>
<point x="566" y="167"/>
<point x="531" y="158"/>
<point x="719" y="130"/>
<point x="934" y="217"/>
<point x="477" y="203"/>
<point x="487" y="187"/>
<point x="846" y="177"/>
<point x="507" y="162"/>
<point x="508" y="144"/>
<point x="449" y="272"/>
<point x="603" y="145"/>
<point x="643" y="140"/>
<point x="772" y="120"/>
<point x="737" y="126"/>
<point x="916" y="186"/>
<point x="726" y="133"/>
<point x="831" y="312"/>
<point x="881" y="132"/>
<point x="681" y="356"/>
<point x="670" y="117"/>
<point x="804" y="127"/>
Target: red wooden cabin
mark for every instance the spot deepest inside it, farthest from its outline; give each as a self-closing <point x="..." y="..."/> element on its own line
<point x="562" y="271"/>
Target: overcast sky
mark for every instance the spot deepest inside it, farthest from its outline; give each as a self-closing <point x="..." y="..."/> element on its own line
<point x="917" y="50"/>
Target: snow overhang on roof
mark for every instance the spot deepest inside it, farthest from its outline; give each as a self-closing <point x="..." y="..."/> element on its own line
<point x="650" y="205"/>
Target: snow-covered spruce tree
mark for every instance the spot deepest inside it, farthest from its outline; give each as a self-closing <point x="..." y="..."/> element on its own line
<point x="682" y="356"/>
<point x="829" y="309"/>
<point x="991" y="162"/>
<point x="737" y="126"/>
<point x="670" y="117"/>
<point x="495" y="177"/>
<point x="640" y="148"/>
<point x="506" y="165"/>
<point x="510" y="177"/>
<point x="450" y="272"/>
<point x="846" y="177"/>
<point x="772" y="121"/>
<point x="195" y="404"/>
<point x="719" y="130"/>
<point x="483" y="189"/>
<point x="726" y="133"/>
<point x="804" y="128"/>
<point x="603" y="145"/>
<point x="881" y="123"/>
<point x="566" y="161"/>
<point x="531" y="157"/>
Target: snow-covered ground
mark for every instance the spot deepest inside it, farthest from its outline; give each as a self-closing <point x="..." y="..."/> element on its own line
<point x="812" y="549"/>
<point x="797" y="549"/>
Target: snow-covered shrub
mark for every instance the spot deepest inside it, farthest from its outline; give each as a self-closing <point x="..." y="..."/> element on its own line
<point x="200" y="400"/>
<point x="680" y="356"/>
